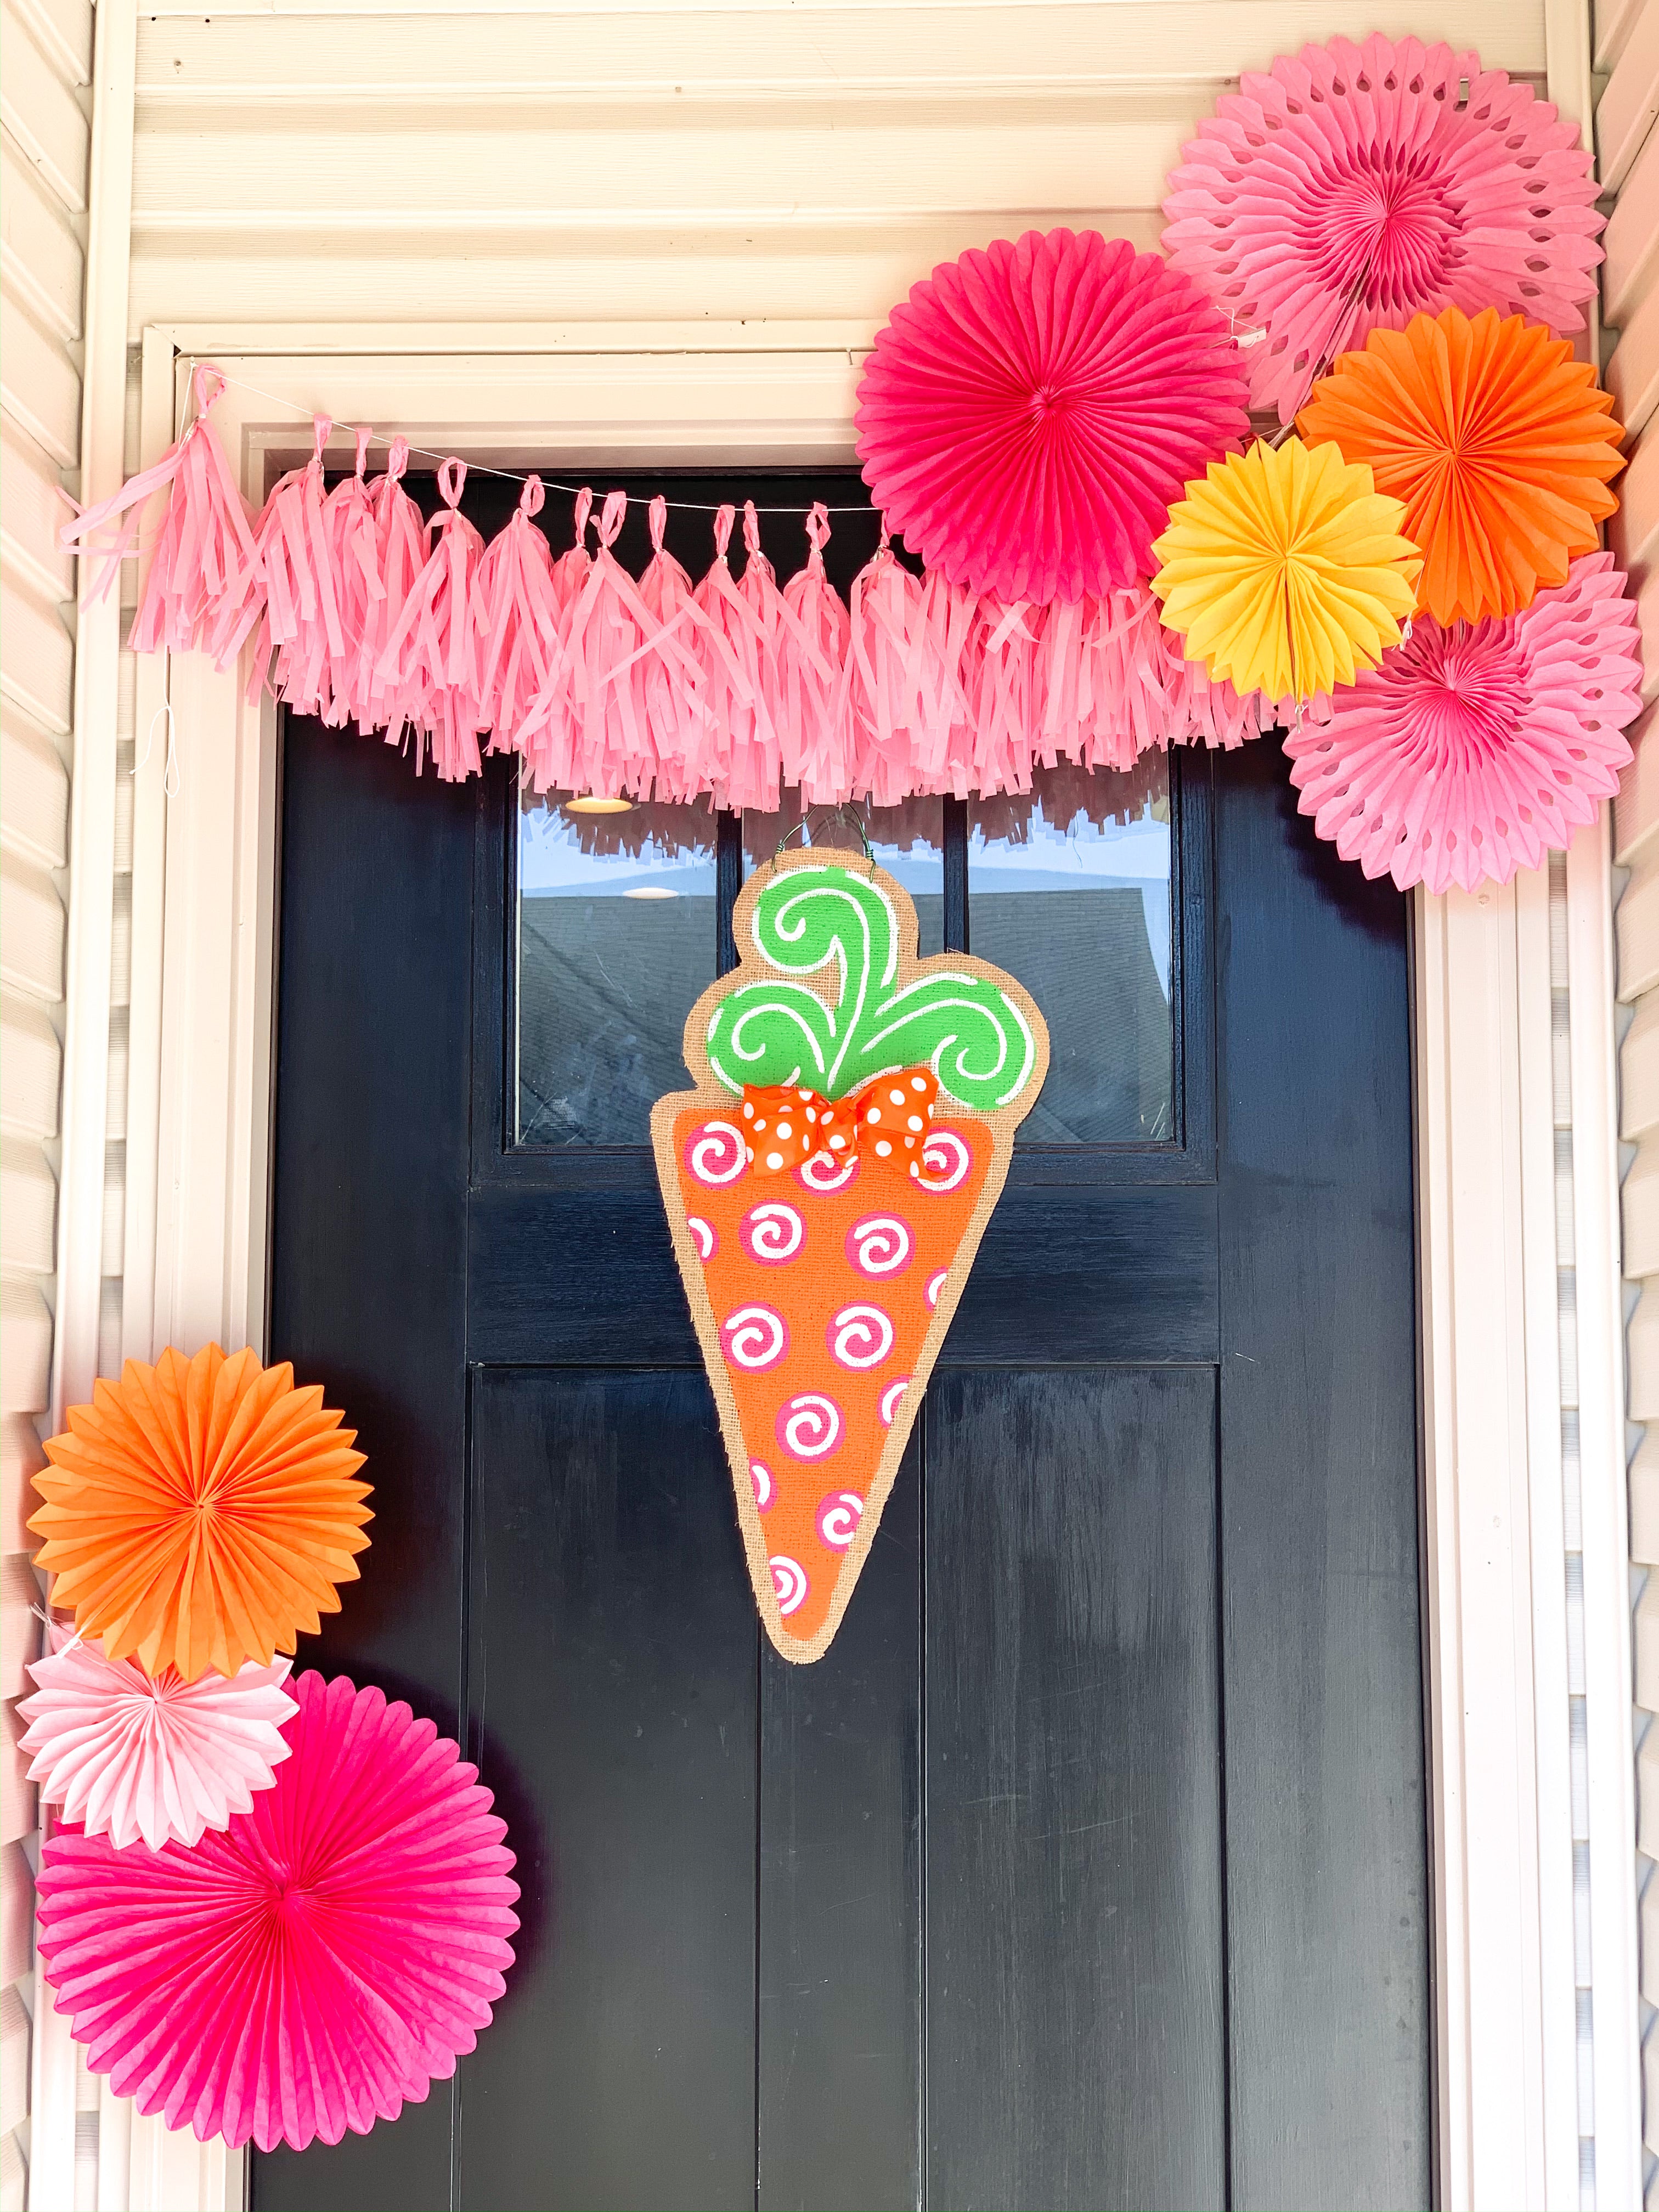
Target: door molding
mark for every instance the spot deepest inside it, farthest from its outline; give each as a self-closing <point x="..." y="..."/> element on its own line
<point x="204" y="893"/>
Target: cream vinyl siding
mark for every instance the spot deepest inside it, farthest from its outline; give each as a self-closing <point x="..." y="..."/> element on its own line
<point x="1628" y="49"/>
<point x="677" y="163"/>
<point x="44" y="141"/>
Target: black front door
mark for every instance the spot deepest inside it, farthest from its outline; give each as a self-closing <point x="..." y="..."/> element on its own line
<point x="1089" y="1867"/>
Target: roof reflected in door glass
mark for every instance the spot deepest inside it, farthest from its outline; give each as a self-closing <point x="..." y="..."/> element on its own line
<point x="1068" y="888"/>
<point x="616" y="940"/>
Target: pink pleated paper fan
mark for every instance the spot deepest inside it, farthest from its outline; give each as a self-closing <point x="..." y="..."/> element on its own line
<point x="1355" y="186"/>
<point x="127" y="1757"/>
<point x="1030" y="411"/>
<point x="321" y="1962"/>
<point x="1471" y="752"/>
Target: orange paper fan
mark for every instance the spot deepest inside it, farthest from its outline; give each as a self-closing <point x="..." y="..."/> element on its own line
<point x="1497" y="439"/>
<point x="199" y="1512"/>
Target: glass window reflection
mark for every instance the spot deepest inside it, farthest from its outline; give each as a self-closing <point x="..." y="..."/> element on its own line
<point x="1069" y="890"/>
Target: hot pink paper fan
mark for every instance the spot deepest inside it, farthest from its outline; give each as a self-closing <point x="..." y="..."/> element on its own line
<point x="1354" y="187"/>
<point x="1471" y="752"/>
<point x="129" y="1757"/>
<point x="325" y="1960"/>
<point x="1030" y="411"/>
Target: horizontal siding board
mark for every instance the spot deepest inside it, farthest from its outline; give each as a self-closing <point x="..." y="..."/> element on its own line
<point x="31" y="931"/>
<point x="37" y="657"/>
<point x="1631" y="240"/>
<point x="677" y="54"/>
<point x="1641" y="1211"/>
<point x="25" y="1348"/>
<point x="1644" y="1503"/>
<point x="31" y="1069"/>
<point x="1647" y="610"/>
<point x="39" y="251"/>
<point x="849" y="274"/>
<point x="1636" y="920"/>
<point x="1642" y="1340"/>
<point x="29" y="1207"/>
<point x="34" y="791"/>
<point x="33" y="511"/>
<point x="1638" y="1071"/>
<point x="42" y="112"/>
<point x="1636" y="809"/>
<point x="1647" y="1797"/>
<point x="1625" y="111"/>
<point x="63" y="31"/>
<point x="16" y="1912"/>
<point x="1611" y="28"/>
<point x="19" y="1595"/>
<point x="17" y="1790"/>
<point x="39" y="387"/>
<point x="1633" y="532"/>
<point x="21" y="1459"/>
<point x="1632" y="371"/>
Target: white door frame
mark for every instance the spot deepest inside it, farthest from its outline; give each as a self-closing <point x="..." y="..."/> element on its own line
<point x="1506" y="1973"/>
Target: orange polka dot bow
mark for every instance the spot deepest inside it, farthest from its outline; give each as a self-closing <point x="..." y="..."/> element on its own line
<point x="884" y="1124"/>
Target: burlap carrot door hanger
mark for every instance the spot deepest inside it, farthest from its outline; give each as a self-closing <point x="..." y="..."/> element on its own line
<point x="827" y="1184"/>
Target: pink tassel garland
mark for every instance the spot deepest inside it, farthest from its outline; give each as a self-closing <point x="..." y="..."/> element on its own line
<point x="205" y="589"/>
<point x="812" y="701"/>
<point x="689" y="760"/>
<point x="516" y="617"/>
<point x="734" y="644"/>
<point x="349" y="526"/>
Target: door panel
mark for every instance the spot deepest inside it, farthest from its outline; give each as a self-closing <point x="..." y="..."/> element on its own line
<point x="612" y="1692"/>
<point x="1087" y="1868"/>
<point x="1075" y="1958"/>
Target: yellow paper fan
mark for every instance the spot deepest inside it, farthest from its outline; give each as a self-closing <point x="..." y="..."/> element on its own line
<point x="1285" y="571"/>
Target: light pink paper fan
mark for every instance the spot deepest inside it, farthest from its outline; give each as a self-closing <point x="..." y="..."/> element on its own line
<point x="1030" y="412"/>
<point x="129" y="1757"/>
<point x="1354" y="187"/>
<point x="323" y="1960"/>
<point x="1471" y="752"/>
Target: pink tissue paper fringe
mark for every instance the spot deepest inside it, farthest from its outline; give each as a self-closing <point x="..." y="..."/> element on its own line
<point x="730" y="687"/>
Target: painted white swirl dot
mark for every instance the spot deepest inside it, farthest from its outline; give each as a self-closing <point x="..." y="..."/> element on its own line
<point x="889" y="1399"/>
<point x="934" y="1287"/>
<point x="809" y="1426"/>
<point x="859" y="1336"/>
<point x="947" y="1159"/>
<point x="838" y="1519"/>
<point x="765" y="1488"/>
<point x="702" y="1236"/>
<point x="822" y="1174"/>
<point x="880" y="1244"/>
<point x="716" y="1153"/>
<point x="772" y="1233"/>
<point x="788" y="1583"/>
<point x="756" y="1338"/>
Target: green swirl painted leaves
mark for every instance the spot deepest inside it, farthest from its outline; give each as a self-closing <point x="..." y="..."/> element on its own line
<point x="778" y="1029"/>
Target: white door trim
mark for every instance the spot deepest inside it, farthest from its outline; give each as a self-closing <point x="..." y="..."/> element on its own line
<point x="204" y="893"/>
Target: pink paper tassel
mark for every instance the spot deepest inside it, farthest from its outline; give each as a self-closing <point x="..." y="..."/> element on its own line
<point x="546" y="732"/>
<point x="690" y="760"/>
<point x="353" y="560"/>
<point x="206" y="587"/>
<point x="734" y="644"/>
<point x="885" y="678"/>
<point x="401" y="544"/>
<point x="1002" y="686"/>
<point x="302" y="609"/>
<point x="516" y="617"/>
<point x="812" y="701"/>
<point x="597" y="682"/>
<point x="942" y="721"/>
<point x="429" y="656"/>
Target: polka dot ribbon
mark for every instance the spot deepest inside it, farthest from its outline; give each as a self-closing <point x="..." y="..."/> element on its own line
<point x="885" y="1124"/>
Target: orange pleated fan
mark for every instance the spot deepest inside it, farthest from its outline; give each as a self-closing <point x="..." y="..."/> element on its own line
<point x="1497" y="439"/>
<point x="199" y="1512"/>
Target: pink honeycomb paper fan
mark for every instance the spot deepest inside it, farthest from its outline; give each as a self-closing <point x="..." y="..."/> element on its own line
<point x="1030" y="411"/>
<point x="129" y="1757"/>
<point x="1471" y="752"/>
<point x="315" y="1967"/>
<point x="1355" y="186"/>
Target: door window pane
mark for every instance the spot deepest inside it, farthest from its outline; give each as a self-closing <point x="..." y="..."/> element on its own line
<point x="616" y="941"/>
<point x="1068" y="888"/>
